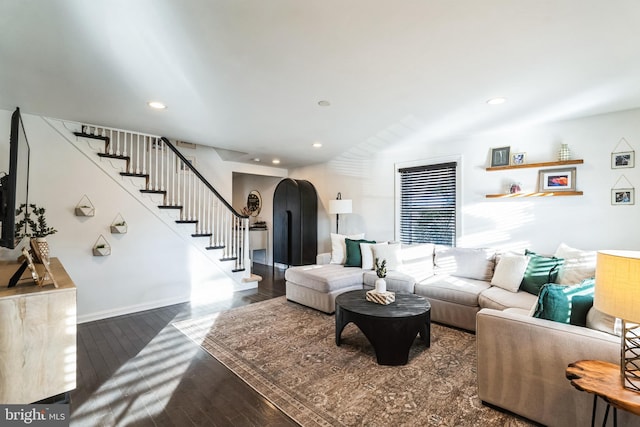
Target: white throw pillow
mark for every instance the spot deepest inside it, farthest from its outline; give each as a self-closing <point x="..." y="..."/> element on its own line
<point x="389" y="252"/>
<point x="578" y="265"/>
<point x="366" y="250"/>
<point x="510" y="271"/>
<point x="472" y="263"/>
<point x="339" y="248"/>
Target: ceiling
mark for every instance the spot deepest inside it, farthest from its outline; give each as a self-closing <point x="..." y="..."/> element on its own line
<point x="247" y="75"/>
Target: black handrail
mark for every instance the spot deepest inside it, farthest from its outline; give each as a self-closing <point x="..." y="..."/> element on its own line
<point x="202" y="178"/>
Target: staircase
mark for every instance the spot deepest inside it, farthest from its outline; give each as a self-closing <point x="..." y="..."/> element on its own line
<point x="164" y="171"/>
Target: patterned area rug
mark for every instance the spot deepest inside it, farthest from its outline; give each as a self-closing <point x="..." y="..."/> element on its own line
<point x="287" y="353"/>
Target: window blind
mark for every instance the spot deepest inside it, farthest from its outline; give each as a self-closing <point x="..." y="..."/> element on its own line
<point x="428" y="204"/>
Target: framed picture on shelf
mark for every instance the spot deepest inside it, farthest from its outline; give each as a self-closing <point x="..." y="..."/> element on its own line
<point x="623" y="196"/>
<point x="554" y="180"/>
<point x="518" y="158"/>
<point x="500" y="156"/>
<point x="623" y="159"/>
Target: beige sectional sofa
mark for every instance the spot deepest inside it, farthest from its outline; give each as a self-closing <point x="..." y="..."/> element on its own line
<point x="521" y="359"/>
<point x="522" y="362"/>
<point x="457" y="282"/>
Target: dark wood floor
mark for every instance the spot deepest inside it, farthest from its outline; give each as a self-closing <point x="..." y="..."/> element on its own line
<point x="138" y="370"/>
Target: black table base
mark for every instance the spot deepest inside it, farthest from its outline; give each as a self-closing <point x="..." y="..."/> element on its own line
<point x="391" y="329"/>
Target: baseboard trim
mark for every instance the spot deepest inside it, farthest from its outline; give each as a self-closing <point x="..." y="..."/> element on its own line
<point x="121" y="311"/>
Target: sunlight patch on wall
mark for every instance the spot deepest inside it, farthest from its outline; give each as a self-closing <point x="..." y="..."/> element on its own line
<point x="496" y="224"/>
<point x="354" y="162"/>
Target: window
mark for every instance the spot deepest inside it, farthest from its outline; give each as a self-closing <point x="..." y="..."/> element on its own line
<point x="428" y="204"/>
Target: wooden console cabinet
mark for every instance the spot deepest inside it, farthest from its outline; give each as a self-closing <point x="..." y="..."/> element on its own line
<point x="37" y="336"/>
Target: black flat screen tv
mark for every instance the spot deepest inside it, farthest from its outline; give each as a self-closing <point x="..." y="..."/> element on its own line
<point x="14" y="185"/>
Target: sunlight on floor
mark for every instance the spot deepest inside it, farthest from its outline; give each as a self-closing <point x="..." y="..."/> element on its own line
<point x="143" y="385"/>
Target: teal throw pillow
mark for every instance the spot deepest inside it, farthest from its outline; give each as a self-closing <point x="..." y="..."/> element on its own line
<point x="354" y="256"/>
<point x="540" y="270"/>
<point x="566" y="304"/>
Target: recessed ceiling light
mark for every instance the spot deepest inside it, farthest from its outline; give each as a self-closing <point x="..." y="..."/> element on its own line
<point x="275" y="161"/>
<point x="324" y="103"/>
<point x="497" y="101"/>
<point x="256" y="159"/>
<point x="317" y="144"/>
<point x="156" y="105"/>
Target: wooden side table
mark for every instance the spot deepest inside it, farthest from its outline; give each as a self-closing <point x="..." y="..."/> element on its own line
<point x="603" y="380"/>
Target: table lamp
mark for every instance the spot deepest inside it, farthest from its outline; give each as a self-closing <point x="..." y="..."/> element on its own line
<point x="339" y="206"/>
<point x="617" y="292"/>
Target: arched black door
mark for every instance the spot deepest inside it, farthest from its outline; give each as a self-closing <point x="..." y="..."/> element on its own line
<point x="295" y="223"/>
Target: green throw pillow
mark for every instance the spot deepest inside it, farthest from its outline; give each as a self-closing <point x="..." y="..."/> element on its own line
<point x="354" y="256"/>
<point x="540" y="270"/>
<point x="566" y="304"/>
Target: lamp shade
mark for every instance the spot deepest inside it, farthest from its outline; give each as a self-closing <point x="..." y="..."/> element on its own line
<point x="617" y="290"/>
<point x="339" y="206"/>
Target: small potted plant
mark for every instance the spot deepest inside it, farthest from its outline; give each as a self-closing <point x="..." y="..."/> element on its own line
<point x="33" y="224"/>
<point x="119" y="227"/>
<point x="101" y="249"/>
<point x="381" y="272"/>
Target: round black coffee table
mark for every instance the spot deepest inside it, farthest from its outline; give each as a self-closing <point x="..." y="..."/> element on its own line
<point x="391" y="329"/>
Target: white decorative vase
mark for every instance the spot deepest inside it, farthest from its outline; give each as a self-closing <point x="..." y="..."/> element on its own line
<point x="381" y="285"/>
<point x="564" y="153"/>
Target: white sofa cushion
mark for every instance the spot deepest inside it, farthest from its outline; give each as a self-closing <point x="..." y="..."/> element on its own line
<point x="390" y="253"/>
<point x="417" y="260"/>
<point x="452" y="289"/>
<point x="471" y="263"/>
<point x="578" y="265"/>
<point x="339" y="248"/>
<point x="396" y="281"/>
<point x="366" y="250"/>
<point x="510" y="271"/>
<point x="500" y="299"/>
<point x="324" y="278"/>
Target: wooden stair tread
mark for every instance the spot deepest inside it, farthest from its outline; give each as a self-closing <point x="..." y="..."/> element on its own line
<point x="88" y="135"/>
<point x="139" y="175"/>
<point x="114" y="156"/>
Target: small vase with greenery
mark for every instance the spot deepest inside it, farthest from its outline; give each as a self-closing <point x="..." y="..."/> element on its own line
<point x="33" y="222"/>
<point x="381" y="272"/>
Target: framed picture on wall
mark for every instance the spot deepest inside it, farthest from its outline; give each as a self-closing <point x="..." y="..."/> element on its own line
<point x="553" y="180"/>
<point x="623" y="196"/>
<point x="623" y="159"/>
<point x="500" y="156"/>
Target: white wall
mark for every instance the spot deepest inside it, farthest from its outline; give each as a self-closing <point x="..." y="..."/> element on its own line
<point x="243" y="184"/>
<point x="540" y="224"/>
<point x="151" y="265"/>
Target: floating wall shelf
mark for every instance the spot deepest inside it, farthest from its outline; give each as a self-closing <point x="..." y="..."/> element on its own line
<point x="537" y="165"/>
<point x="540" y="194"/>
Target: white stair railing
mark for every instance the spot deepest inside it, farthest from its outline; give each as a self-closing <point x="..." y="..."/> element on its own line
<point x="166" y="171"/>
